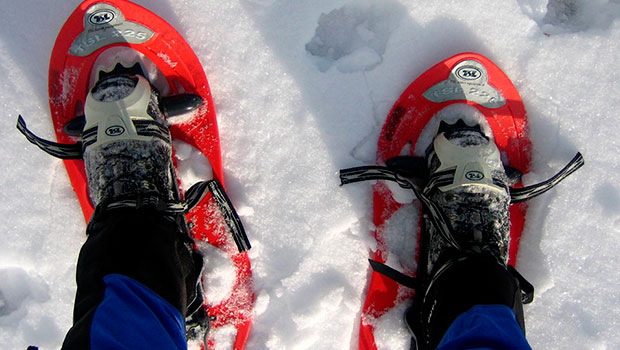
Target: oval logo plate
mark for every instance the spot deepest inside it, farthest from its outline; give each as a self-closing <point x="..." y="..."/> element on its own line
<point x="468" y="73"/>
<point x="115" y="130"/>
<point x="101" y="17"/>
<point x="474" y="175"/>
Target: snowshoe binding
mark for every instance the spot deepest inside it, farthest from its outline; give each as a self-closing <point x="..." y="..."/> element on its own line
<point x="117" y="74"/>
<point x="469" y="189"/>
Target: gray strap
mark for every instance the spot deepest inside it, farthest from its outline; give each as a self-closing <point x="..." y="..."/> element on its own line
<point x="230" y="215"/>
<point x="437" y="217"/>
<point x="194" y="195"/>
<point x="58" y="150"/>
<point x="525" y="193"/>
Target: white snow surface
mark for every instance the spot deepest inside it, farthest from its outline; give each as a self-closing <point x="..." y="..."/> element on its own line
<point x="289" y="120"/>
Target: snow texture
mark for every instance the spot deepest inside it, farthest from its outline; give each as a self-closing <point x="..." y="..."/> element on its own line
<point x="290" y="118"/>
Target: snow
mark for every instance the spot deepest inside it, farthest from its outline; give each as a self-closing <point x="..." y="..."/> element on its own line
<point x="289" y="119"/>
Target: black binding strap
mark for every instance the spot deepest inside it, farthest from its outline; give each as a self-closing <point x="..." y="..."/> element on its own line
<point x="371" y="172"/>
<point x="75" y="151"/>
<point x="193" y="196"/>
<point x="365" y="173"/>
<point x="230" y="215"/>
<point x="436" y="215"/>
<point x="522" y="194"/>
<point x="527" y="289"/>
<point x="393" y="274"/>
<point x="58" y="150"/>
<point x="375" y="172"/>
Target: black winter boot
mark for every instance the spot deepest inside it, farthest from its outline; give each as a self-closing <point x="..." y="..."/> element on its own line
<point x="467" y="181"/>
<point x="131" y="180"/>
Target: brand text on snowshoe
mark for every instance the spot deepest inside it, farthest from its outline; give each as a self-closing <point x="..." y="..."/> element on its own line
<point x="108" y="34"/>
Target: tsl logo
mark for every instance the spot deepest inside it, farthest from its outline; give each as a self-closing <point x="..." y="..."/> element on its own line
<point x="101" y="17"/>
<point x="468" y="73"/>
<point x="115" y="130"/>
<point x="474" y="175"/>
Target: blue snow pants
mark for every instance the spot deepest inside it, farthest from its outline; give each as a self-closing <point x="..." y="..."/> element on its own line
<point x="485" y="327"/>
<point x="136" y="276"/>
<point x="131" y="316"/>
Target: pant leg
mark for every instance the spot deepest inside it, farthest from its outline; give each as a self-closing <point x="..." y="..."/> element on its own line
<point x="485" y="327"/>
<point x="144" y="246"/>
<point x="463" y="283"/>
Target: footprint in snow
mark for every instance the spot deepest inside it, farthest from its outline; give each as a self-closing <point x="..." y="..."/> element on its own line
<point x="354" y="37"/>
<point x="570" y="16"/>
<point x="17" y="288"/>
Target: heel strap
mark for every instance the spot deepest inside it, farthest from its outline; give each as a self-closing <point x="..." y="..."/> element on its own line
<point x="193" y="196"/>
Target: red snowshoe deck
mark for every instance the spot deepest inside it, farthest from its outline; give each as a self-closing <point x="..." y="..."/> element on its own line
<point x="467" y="78"/>
<point x="98" y="25"/>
